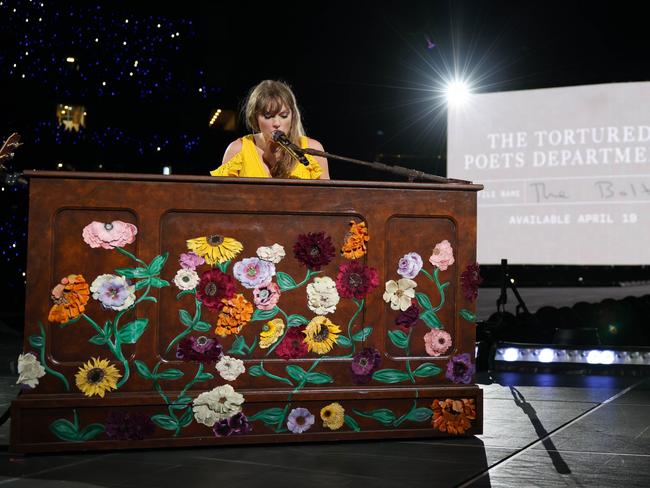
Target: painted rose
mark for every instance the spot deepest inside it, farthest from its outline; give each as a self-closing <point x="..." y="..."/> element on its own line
<point x="190" y="260"/>
<point x="109" y="235"/>
<point x="322" y="295"/>
<point x="265" y="297"/>
<point x="186" y="279"/>
<point x="442" y="256"/>
<point x="410" y="265"/>
<point x="29" y="370"/>
<point x="217" y="404"/>
<point x="230" y="368"/>
<point x="400" y="293"/>
<point x="253" y="272"/>
<point x="437" y="342"/>
<point x="273" y="254"/>
<point x="113" y="292"/>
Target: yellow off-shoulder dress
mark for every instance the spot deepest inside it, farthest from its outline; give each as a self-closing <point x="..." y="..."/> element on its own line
<point x="248" y="163"/>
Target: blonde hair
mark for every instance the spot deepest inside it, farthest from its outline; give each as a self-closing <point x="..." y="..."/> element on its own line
<point x="269" y="96"/>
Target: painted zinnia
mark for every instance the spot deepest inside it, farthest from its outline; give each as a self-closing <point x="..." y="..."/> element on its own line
<point x="29" y="370"/>
<point x="109" y="235"/>
<point x="470" y="280"/>
<point x="460" y="368"/>
<point x="409" y="317"/>
<point x="322" y="295"/>
<point x="333" y="416"/>
<point x="113" y="292"/>
<point x="364" y="363"/>
<point x="186" y="279"/>
<point x="400" y="293"/>
<point x="354" y="245"/>
<point x="266" y="296"/>
<point x="215" y="249"/>
<point x="300" y="420"/>
<point x="453" y="416"/>
<point x="235" y="313"/>
<point x="96" y="377"/>
<point x="437" y="342"/>
<point x="314" y="250"/>
<point x="271" y="332"/>
<point x="70" y="297"/>
<point x="253" y="272"/>
<point x="237" y="424"/>
<point x="321" y="335"/>
<point x="409" y="265"/>
<point x="214" y="287"/>
<point x="442" y="256"/>
<point x="217" y="404"/>
<point x="293" y="345"/>
<point x="356" y="280"/>
<point x="201" y="349"/>
<point x="190" y="260"/>
<point x="128" y="426"/>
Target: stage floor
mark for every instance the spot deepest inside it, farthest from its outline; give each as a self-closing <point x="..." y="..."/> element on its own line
<point x="540" y="430"/>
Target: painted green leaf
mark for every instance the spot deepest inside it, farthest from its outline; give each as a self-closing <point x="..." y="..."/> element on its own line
<point x="201" y="326"/>
<point x="390" y="376"/>
<point x="427" y="369"/>
<point x="186" y="418"/>
<point x="142" y="369"/>
<point x="344" y="341"/>
<point x="170" y="374"/>
<point x="69" y="322"/>
<point x="296" y="372"/>
<point x="285" y="282"/>
<point x="158" y="283"/>
<point x="350" y="422"/>
<point x="90" y="432"/>
<point x="131" y="332"/>
<point x="157" y="263"/>
<point x="132" y="272"/>
<point x="296" y="320"/>
<point x="165" y="421"/>
<point x="265" y="314"/>
<point x="64" y="429"/>
<point x="98" y="340"/>
<point x="223" y="267"/>
<point x="399" y="338"/>
<point x="183" y="293"/>
<point x="467" y="315"/>
<point x="270" y="416"/>
<point x="423" y="300"/>
<point x="421" y="414"/>
<point x="319" y="378"/>
<point x="255" y="370"/>
<point x="362" y="335"/>
<point x="431" y="319"/>
<point x="183" y="400"/>
<point x="238" y="346"/>
<point x="148" y="299"/>
<point x="36" y="341"/>
<point x="139" y="285"/>
<point x="204" y="376"/>
<point x="185" y="318"/>
<point x="382" y="415"/>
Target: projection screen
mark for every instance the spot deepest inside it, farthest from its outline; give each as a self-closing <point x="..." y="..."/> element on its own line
<point x="566" y="173"/>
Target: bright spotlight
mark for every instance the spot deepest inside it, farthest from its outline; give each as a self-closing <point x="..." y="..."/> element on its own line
<point x="457" y="92"/>
<point x="511" y="354"/>
<point x="546" y="355"/>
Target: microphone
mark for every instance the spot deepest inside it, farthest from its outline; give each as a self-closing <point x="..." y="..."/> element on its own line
<point x="293" y="150"/>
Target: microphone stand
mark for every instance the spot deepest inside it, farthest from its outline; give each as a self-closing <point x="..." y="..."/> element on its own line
<point x="411" y="174"/>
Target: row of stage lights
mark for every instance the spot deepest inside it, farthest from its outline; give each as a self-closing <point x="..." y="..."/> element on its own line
<point x="511" y="353"/>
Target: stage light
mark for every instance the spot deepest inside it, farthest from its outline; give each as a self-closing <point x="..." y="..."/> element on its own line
<point x="457" y="92"/>
<point x="593" y="357"/>
<point x="607" y="357"/>
<point x="546" y="355"/>
<point x="511" y="354"/>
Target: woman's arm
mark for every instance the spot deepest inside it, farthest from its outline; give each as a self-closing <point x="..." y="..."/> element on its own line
<point x="233" y="148"/>
<point x="314" y="144"/>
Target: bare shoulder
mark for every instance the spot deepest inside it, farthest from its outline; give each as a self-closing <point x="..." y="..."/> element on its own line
<point x="233" y="148"/>
<point x="314" y="144"/>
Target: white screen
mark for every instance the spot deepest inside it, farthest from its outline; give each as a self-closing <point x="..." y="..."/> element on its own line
<point x="566" y="173"/>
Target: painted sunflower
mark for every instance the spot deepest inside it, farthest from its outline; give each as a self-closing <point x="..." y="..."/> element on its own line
<point x="333" y="416"/>
<point x="321" y="335"/>
<point x="96" y="377"/>
<point x="215" y="249"/>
